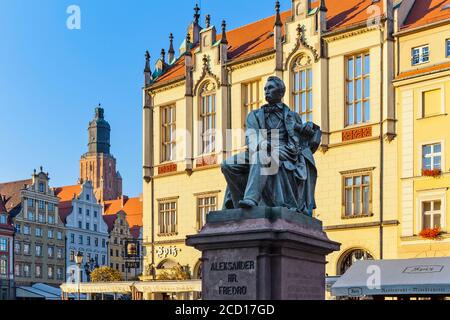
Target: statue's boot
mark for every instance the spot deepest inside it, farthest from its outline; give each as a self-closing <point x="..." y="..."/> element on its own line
<point x="247" y="204"/>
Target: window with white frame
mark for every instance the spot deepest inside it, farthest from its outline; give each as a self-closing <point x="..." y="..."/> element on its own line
<point x="302" y="93"/>
<point x="3" y="244"/>
<point x="205" y="204"/>
<point x="251" y="97"/>
<point x="420" y="55"/>
<point x="3" y="218"/>
<point x="168" y="133"/>
<point x="3" y="266"/>
<point x="431" y="156"/>
<point x="357" y="89"/>
<point x="168" y="217"/>
<point x="431" y="214"/>
<point x="26" y="270"/>
<point x="207" y="116"/>
<point x="38" y="250"/>
<point x="357" y="196"/>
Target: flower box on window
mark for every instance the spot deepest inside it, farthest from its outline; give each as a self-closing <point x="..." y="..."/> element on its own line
<point x="431" y="234"/>
<point x="431" y="173"/>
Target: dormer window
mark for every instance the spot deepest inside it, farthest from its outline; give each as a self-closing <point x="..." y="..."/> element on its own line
<point x="87" y="197"/>
<point x="420" y="55"/>
<point x="41" y="187"/>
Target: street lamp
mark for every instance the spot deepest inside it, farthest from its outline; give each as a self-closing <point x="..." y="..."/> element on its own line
<point x="79" y="261"/>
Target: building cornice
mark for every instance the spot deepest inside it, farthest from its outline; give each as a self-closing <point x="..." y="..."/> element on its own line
<point x="164" y="86"/>
<point x="422" y="28"/>
<point x="351" y="32"/>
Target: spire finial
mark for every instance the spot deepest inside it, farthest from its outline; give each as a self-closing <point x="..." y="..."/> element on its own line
<point x="224" y="40"/>
<point x="171" y="49"/>
<point x="278" y="22"/>
<point x="163" y="55"/>
<point x="197" y="14"/>
<point x="323" y="6"/>
<point x="147" y="61"/>
<point x="208" y="21"/>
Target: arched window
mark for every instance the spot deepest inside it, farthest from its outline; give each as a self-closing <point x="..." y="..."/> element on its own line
<point x="351" y="257"/>
<point x="207" y="115"/>
<point x="198" y="271"/>
<point x="302" y="93"/>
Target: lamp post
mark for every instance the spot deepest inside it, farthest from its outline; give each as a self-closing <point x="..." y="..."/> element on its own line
<point x="79" y="261"/>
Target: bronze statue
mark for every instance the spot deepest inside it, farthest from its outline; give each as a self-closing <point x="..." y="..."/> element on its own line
<point x="278" y="168"/>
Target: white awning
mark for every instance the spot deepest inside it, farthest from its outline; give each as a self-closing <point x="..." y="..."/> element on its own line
<point x="169" y="286"/>
<point x="410" y="277"/>
<point x="101" y="287"/>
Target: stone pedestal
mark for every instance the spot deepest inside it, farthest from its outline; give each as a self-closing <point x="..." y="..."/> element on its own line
<point x="263" y="254"/>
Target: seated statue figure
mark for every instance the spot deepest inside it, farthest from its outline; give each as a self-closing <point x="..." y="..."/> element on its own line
<point x="277" y="169"/>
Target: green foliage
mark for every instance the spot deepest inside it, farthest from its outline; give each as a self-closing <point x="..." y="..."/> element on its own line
<point x="175" y="273"/>
<point x="105" y="274"/>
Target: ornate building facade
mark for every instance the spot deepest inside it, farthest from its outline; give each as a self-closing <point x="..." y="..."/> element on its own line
<point x="98" y="165"/>
<point x="422" y="82"/>
<point x="7" y="286"/>
<point x="39" y="243"/>
<point x="86" y="229"/>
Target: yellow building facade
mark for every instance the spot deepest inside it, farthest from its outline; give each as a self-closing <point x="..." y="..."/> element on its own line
<point x="339" y="62"/>
<point x="422" y="89"/>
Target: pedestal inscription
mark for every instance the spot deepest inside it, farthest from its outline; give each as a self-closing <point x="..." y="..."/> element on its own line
<point x="263" y="254"/>
<point x="230" y="274"/>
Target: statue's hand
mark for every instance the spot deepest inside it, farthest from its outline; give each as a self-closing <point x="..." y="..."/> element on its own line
<point x="308" y="129"/>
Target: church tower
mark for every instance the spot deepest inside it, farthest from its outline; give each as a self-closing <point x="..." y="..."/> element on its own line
<point x="98" y="165"/>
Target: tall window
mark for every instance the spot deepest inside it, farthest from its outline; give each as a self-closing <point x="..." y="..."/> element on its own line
<point x="41" y="187"/>
<point x="205" y="204"/>
<point x="50" y="272"/>
<point x="358" y="89"/>
<point x="431" y="214"/>
<point x="251" y="96"/>
<point x="302" y="88"/>
<point x="26" y="270"/>
<point x="38" y="271"/>
<point x="431" y="157"/>
<point x="38" y="250"/>
<point x="420" y="55"/>
<point x="207" y="118"/>
<point x="3" y="219"/>
<point x="357" y="195"/>
<point x="447" y="48"/>
<point x="168" y="136"/>
<point x="3" y="244"/>
<point x="168" y="218"/>
<point x="3" y="266"/>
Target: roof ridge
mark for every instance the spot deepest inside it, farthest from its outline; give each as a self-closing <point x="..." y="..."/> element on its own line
<point x="255" y="22"/>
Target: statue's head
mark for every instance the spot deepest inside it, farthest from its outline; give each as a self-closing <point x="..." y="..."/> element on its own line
<point x="274" y="90"/>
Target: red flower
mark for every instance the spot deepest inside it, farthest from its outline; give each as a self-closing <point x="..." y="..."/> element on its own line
<point x="431" y="173"/>
<point x="430" y="234"/>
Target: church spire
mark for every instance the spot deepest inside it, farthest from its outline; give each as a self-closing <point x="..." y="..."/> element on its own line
<point x="99" y="133"/>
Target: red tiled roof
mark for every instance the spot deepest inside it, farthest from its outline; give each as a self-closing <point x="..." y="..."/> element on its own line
<point x="422" y="71"/>
<point x="109" y="220"/>
<point x="425" y="12"/>
<point x="257" y="37"/>
<point x="66" y="195"/>
<point x="2" y="205"/>
<point x="11" y="190"/>
<point x="346" y="13"/>
<point x="133" y="207"/>
<point x="135" y="232"/>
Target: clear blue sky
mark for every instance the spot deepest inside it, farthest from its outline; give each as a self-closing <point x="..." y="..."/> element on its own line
<point x="51" y="78"/>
